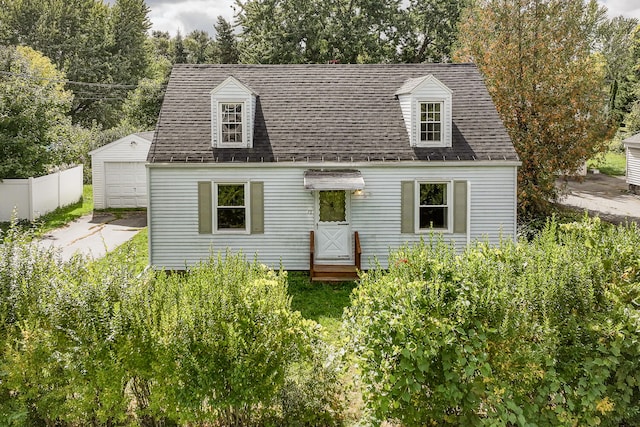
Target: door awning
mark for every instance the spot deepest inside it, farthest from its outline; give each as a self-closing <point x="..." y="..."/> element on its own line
<point x="333" y="180"/>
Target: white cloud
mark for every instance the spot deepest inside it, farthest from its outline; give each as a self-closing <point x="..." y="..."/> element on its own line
<point x="188" y="15"/>
<point x="627" y="8"/>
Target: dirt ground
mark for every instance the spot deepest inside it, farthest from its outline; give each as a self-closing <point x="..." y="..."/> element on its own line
<point x="602" y="195"/>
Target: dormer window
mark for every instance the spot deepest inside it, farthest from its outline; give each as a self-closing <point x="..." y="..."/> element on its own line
<point x="233" y="107"/>
<point x="231" y="121"/>
<point x="426" y="105"/>
<point x="430" y="122"/>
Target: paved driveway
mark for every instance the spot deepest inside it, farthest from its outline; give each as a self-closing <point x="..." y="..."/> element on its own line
<point x="607" y="196"/>
<point x="95" y="235"/>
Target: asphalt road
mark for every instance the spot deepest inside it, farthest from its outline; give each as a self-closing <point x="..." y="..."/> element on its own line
<point x="602" y="195"/>
<point x="95" y="235"/>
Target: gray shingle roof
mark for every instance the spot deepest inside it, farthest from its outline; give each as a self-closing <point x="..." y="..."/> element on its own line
<point x="326" y="112"/>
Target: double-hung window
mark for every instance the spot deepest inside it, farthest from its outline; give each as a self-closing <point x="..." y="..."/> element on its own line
<point x="430" y="122"/>
<point x="434" y="205"/>
<point x="230" y="207"/>
<point x="231" y="123"/>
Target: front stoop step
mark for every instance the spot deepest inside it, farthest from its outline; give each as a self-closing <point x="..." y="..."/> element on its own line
<point x="334" y="273"/>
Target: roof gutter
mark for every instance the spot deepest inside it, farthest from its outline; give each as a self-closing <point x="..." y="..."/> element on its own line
<point x="337" y="165"/>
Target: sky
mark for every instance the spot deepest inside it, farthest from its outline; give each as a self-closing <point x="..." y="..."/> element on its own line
<point x="188" y="15"/>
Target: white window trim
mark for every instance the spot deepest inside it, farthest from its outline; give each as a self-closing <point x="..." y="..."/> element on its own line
<point x="449" y="229"/>
<point x="443" y="123"/>
<point x="245" y="127"/>
<point x="247" y="208"/>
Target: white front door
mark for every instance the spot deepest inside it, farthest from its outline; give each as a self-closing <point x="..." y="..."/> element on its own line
<point x="333" y="231"/>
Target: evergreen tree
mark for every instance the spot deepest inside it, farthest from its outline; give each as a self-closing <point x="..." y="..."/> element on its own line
<point x="226" y="45"/>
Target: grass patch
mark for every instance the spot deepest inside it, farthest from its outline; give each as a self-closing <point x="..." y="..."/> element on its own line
<point x="322" y="302"/>
<point x="134" y="253"/>
<point x="610" y="163"/>
<point x="60" y="216"/>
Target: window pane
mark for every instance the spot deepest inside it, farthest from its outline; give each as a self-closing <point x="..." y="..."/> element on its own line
<point x="231" y="218"/>
<point x="332" y="206"/>
<point x="433" y="217"/>
<point x="231" y="195"/>
<point x="433" y="194"/>
<point x="231" y="122"/>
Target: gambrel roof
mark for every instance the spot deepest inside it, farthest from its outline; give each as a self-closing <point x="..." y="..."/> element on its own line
<point x="333" y="113"/>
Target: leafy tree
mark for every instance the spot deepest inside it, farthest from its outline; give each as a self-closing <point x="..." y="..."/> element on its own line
<point x="546" y="84"/>
<point x="431" y="29"/>
<point x="225" y="44"/>
<point x="296" y="31"/>
<point x="632" y="119"/>
<point x="615" y="42"/>
<point x="347" y="31"/>
<point x="90" y="41"/>
<point x="141" y="108"/>
<point x="33" y="109"/>
<point x="159" y="45"/>
<point x="130" y="25"/>
<point x="198" y="47"/>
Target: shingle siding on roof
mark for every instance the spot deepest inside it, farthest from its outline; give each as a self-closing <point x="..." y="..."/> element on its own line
<point x="330" y="112"/>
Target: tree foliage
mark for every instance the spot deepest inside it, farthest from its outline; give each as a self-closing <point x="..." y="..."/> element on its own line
<point x="87" y="40"/>
<point x="536" y="56"/>
<point x="431" y="29"/>
<point x="225" y="45"/>
<point x="33" y="108"/>
<point x="347" y="31"/>
<point x="614" y="42"/>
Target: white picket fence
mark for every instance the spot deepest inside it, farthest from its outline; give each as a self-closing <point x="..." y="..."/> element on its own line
<point x="32" y="197"/>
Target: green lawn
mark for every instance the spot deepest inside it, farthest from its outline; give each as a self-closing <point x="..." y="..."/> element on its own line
<point x="322" y="302"/>
<point x="610" y="163"/>
<point x="60" y="216"/>
<point x="134" y="252"/>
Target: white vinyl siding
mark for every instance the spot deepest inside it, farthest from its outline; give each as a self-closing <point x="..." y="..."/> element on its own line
<point x="633" y="166"/>
<point x="289" y="211"/>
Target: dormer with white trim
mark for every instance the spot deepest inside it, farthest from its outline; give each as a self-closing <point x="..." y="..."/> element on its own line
<point x="233" y="111"/>
<point x="426" y="105"/>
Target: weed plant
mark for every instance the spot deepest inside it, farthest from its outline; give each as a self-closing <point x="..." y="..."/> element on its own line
<point x="543" y="333"/>
<point x="95" y="343"/>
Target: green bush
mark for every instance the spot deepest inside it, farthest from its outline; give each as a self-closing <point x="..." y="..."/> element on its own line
<point x="227" y="344"/>
<point x="91" y="343"/>
<point x="543" y="333"/>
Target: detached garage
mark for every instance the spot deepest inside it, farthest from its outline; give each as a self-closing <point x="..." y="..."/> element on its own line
<point x="119" y="173"/>
<point x="632" y="145"/>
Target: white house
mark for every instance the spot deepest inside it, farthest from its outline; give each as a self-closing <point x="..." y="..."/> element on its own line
<point x="118" y="172"/>
<point x="326" y="167"/>
<point x="632" y="148"/>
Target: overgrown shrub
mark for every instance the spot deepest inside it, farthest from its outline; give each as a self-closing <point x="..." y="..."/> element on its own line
<point x="93" y="343"/>
<point x="543" y="333"/>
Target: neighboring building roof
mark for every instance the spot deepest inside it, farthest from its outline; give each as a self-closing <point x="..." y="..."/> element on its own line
<point x="142" y="137"/>
<point x="326" y="113"/>
<point x="633" y="141"/>
<point x="146" y="135"/>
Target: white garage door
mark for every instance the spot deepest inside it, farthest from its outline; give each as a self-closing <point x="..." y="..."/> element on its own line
<point x="126" y="184"/>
